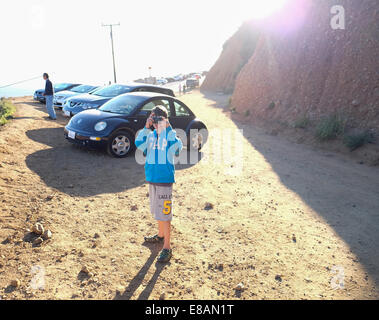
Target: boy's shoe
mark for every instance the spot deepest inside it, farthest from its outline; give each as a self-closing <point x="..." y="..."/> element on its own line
<point x="154" y="239"/>
<point x="165" y="255"/>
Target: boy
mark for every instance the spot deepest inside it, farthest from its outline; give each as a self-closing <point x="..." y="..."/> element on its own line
<point x="160" y="147"/>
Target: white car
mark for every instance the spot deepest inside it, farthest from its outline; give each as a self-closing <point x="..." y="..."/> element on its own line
<point x="62" y="96"/>
<point x="179" y="77"/>
<point x="161" y="81"/>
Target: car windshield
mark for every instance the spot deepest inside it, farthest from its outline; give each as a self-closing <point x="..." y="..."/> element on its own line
<point x="123" y="105"/>
<point x="112" y="91"/>
<point x="61" y="86"/>
<point x="83" y="88"/>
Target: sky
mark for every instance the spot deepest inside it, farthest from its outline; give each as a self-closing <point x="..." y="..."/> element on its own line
<point x="67" y="40"/>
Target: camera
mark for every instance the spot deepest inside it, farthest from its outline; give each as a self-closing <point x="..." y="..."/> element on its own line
<point x="156" y="119"/>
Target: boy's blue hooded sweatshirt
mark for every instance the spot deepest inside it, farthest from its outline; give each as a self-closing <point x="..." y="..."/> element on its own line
<point x="160" y="152"/>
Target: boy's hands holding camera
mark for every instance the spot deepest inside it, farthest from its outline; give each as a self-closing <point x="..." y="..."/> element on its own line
<point x="158" y="121"/>
<point x="149" y="122"/>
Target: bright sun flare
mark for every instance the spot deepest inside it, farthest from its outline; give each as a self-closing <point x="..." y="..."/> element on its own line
<point x="260" y="9"/>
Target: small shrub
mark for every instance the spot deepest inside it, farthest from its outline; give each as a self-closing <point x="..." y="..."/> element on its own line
<point x="6" y="110"/>
<point x="271" y="105"/>
<point x="247" y="113"/>
<point x="302" y="122"/>
<point x="330" y="127"/>
<point x="355" y="141"/>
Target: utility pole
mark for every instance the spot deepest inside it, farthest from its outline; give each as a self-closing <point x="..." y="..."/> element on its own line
<point x="114" y="65"/>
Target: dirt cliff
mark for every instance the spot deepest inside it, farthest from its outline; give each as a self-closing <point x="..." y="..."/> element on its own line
<point x="235" y="54"/>
<point x="302" y="67"/>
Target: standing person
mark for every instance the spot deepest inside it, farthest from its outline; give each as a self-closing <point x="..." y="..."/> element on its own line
<point x="180" y="88"/>
<point x="49" y="94"/>
<point x="184" y="88"/>
<point x="160" y="147"/>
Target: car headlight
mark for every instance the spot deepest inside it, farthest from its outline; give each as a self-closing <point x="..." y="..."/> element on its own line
<point x="100" y="126"/>
<point x="89" y="106"/>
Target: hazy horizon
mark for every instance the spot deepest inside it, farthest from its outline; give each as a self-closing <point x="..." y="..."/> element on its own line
<point x="68" y="40"/>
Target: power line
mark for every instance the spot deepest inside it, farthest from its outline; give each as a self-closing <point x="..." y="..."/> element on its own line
<point x="111" y="29"/>
<point x="12" y="84"/>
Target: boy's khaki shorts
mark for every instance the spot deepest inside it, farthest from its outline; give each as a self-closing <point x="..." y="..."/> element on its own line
<point x="161" y="202"/>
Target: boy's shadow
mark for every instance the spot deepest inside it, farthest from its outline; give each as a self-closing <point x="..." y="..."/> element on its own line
<point x="137" y="280"/>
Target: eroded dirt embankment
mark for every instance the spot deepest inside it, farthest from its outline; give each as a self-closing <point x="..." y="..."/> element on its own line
<point x="301" y="71"/>
<point x="235" y="54"/>
<point x="304" y="68"/>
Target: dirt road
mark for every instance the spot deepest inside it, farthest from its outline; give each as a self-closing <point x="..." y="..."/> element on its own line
<point x="293" y="222"/>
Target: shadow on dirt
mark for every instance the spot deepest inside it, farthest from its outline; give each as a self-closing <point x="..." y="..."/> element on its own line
<point x="82" y="276"/>
<point x="343" y="193"/>
<point x="31" y="237"/>
<point x="9" y="289"/>
<point x="22" y="118"/>
<point x="138" y="279"/>
<point x="220" y="100"/>
<point x="84" y="172"/>
<point x="61" y="119"/>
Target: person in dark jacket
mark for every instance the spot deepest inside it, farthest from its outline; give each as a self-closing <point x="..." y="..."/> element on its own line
<point x="49" y="94"/>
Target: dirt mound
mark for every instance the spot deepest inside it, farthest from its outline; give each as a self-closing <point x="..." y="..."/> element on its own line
<point x="236" y="53"/>
<point x="302" y="67"/>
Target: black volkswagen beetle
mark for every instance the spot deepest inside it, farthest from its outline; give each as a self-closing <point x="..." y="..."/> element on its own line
<point x="115" y="124"/>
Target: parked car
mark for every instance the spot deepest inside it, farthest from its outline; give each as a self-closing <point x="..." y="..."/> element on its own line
<point x="115" y="124"/>
<point x="192" y="83"/>
<point x="65" y="94"/>
<point x="170" y="79"/>
<point x="98" y="97"/>
<point x="195" y="75"/>
<point x="179" y="77"/>
<point x="38" y="94"/>
<point x="161" y="81"/>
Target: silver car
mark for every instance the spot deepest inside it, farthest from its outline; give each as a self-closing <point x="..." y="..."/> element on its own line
<point x="60" y="97"/>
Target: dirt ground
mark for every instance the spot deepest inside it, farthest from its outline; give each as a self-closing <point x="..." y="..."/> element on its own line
<point x="287" y="226"/>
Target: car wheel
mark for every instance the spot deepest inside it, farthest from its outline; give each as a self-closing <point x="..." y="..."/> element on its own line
<point x="197" y="138"/>
<point x="120" y="144"/>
